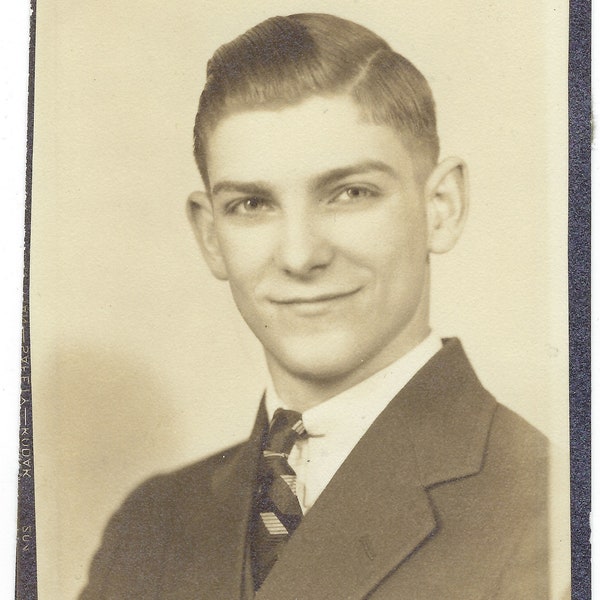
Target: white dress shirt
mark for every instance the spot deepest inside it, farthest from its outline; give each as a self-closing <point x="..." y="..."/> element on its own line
<point x="336" y="425"/>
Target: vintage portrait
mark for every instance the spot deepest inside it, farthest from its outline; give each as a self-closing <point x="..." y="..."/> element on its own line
<point x="298" y="308"/>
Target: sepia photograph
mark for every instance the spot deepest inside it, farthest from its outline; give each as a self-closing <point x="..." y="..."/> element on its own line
<point x="298" y="301"/>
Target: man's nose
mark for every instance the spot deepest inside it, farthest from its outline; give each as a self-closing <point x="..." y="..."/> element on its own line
<point x="304" y="244"/>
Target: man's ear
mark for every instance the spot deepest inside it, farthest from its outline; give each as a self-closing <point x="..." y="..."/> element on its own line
<point x="447" y="198"/>
<point x="200" y="214"/>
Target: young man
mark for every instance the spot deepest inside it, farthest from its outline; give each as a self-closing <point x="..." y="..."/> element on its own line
<point x="378" y="465"/>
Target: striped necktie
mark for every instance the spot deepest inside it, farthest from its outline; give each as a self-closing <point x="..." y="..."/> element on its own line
<point x="277" y="510"/>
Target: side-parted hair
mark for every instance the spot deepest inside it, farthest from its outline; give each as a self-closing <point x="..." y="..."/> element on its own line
<point x="285" y="60"/>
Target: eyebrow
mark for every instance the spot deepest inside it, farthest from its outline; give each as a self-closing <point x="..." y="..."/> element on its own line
<point x="254" y="188"/>
<point x="321" y="181"/>
<point x="367" y="166"/>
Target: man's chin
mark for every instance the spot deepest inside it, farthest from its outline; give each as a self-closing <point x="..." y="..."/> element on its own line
<point x="319" y="364"/>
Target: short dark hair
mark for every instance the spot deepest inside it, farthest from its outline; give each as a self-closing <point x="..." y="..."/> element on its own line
<point x="284" y="60"/>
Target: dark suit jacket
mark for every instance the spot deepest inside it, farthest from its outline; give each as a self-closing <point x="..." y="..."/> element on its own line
<point x="444" y="497"/>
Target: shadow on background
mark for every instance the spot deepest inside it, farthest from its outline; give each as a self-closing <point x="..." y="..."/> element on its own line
<point x="103" y="422"/>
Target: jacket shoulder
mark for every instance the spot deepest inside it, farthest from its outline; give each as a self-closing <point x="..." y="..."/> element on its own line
<point x="517" y="440"/>
<point x="198" y="473"/>
<point x="137" y="535"/>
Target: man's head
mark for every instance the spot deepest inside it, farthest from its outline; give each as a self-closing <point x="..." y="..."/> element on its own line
<point x="323" y="202"/>
<point x="285" y="60"/>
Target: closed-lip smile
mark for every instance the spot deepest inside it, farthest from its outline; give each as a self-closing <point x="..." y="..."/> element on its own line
<point x="318" y="298"/>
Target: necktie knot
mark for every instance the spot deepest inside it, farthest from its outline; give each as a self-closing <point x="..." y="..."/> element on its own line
<point x="285" y="429"/>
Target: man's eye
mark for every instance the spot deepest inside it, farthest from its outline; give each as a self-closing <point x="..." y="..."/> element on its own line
<point x="248" y="206"/>
<point x="354" y="193"/>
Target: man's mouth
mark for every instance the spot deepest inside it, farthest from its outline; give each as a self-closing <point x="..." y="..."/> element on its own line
<point x="313" y="300"/>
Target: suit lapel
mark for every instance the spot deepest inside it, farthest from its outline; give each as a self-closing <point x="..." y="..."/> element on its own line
<point x="449" y="414"/>
<point x="376" y="511"/>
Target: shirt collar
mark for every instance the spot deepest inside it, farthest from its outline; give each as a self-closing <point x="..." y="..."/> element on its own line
<point x="358" y="406"/>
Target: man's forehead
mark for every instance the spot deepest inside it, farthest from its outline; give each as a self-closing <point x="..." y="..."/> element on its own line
<point x="319" y="134"/>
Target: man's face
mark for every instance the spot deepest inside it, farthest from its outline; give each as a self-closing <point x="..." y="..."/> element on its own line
<point x="321" y="230"/>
